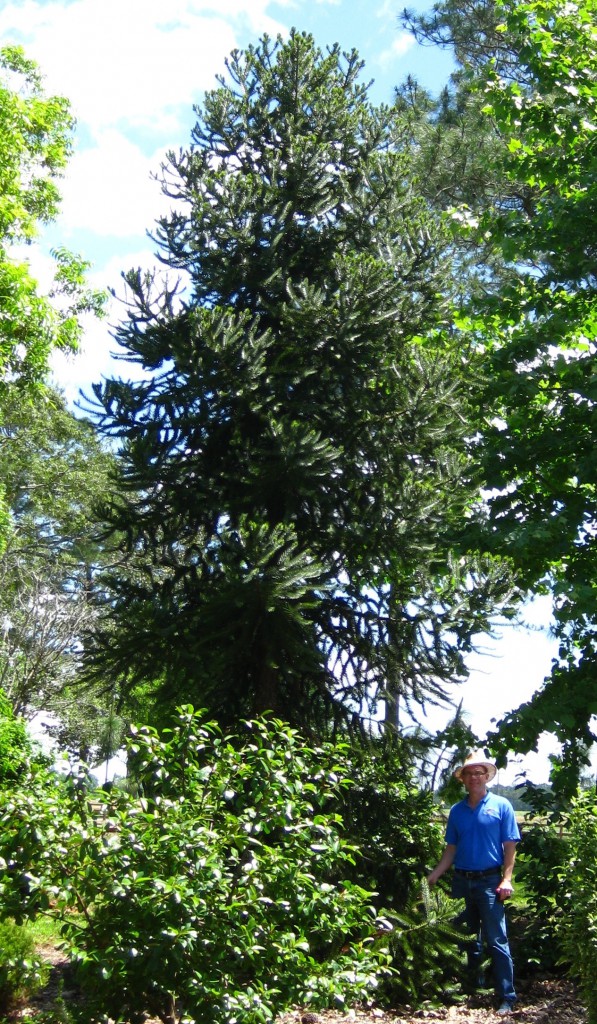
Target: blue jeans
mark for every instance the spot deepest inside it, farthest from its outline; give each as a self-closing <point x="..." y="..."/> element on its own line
<point x="485" y="917"/>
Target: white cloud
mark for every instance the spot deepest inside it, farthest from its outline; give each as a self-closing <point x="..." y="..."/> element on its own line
<point x="73" y="373"/>
<point x="108" y="188"/>
<point x="96" y="359"/>
<point x="386" y="11"/>
<point x="138" y="61"/>
<point x="254" y="12"/>
<point x="42" y="266"/>
<point x="132" y="70"/>
<point x="96" y="356"/>
<point x="110" y="275"/>
<point x="401" y="44"/>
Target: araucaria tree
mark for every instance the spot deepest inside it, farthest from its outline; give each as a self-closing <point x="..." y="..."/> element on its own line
<point x="292" y="475"/>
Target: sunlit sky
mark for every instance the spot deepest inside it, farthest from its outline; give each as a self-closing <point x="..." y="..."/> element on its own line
<point x="132" y="70"/>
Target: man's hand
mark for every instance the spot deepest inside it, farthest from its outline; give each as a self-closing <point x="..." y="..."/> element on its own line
<point x="504" y="890"/>
<point x="446" y="861"/>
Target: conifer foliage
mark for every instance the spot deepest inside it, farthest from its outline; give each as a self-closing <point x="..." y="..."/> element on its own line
<point x="290" y="459"/>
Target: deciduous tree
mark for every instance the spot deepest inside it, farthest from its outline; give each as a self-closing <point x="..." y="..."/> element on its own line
<point x="35" y="143"/>
<point x="54" y="471"/>
<point x="533" y="330"/>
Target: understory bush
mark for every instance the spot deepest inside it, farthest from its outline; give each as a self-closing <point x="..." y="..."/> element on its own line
<point x="21" y="970"/>
<point x="535" y="935"/>
<point x="15" y="745"/>
<point x="425" y="945"/>
<point x="577" y="926"/>
<point x="393" y="821"/>
<point x="214" y="893"/>
<point x="395" y="824"/>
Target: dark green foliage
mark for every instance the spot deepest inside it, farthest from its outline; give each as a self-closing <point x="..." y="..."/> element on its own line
<point x="392" y="820"/>
<point x="21" y="971"/>
<point x="426" y="954"/>
<point x="542" y="852"/>
<point x="293" y="470"/>
<point x="577" y="924"/>
<point x="216" y="893"/>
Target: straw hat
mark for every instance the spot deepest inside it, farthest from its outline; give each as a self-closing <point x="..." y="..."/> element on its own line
<point x="477" y="759"/>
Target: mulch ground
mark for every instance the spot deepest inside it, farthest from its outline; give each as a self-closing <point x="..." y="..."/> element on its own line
<point x="541" y="1001"/>
<point x="546" y="1001"/>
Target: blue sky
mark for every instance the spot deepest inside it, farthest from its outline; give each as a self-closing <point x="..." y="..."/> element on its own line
<point x="132" y="70"/>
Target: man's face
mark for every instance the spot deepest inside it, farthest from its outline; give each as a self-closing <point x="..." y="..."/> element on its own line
<point x="475" y="779"/>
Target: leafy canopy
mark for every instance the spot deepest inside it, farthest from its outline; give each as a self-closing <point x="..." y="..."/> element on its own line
<point x="35" y="143"/>
<point x="526" y="213"/>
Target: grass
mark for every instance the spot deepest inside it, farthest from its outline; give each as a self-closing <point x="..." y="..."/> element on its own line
<point x="45" y="931"/>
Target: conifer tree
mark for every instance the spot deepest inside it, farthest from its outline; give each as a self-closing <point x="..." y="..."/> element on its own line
<point x="292" y="468"/>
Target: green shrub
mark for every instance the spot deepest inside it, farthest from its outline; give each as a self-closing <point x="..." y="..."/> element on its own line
<point x="21" y="971"/>
<point x="15" y="745"/>
<point x="216" y="894"/>
<point x="542" y="854"/>
<point x="577" y="926"/>
<point x="393" y="821"/>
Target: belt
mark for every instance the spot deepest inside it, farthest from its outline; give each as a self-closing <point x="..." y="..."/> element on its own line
<point x="479" y="874"/>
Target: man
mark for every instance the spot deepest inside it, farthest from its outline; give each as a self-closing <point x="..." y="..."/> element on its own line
<point x="481" y="837"/>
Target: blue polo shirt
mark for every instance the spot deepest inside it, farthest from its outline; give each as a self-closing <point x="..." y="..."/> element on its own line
<point x="479" y="833"/>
